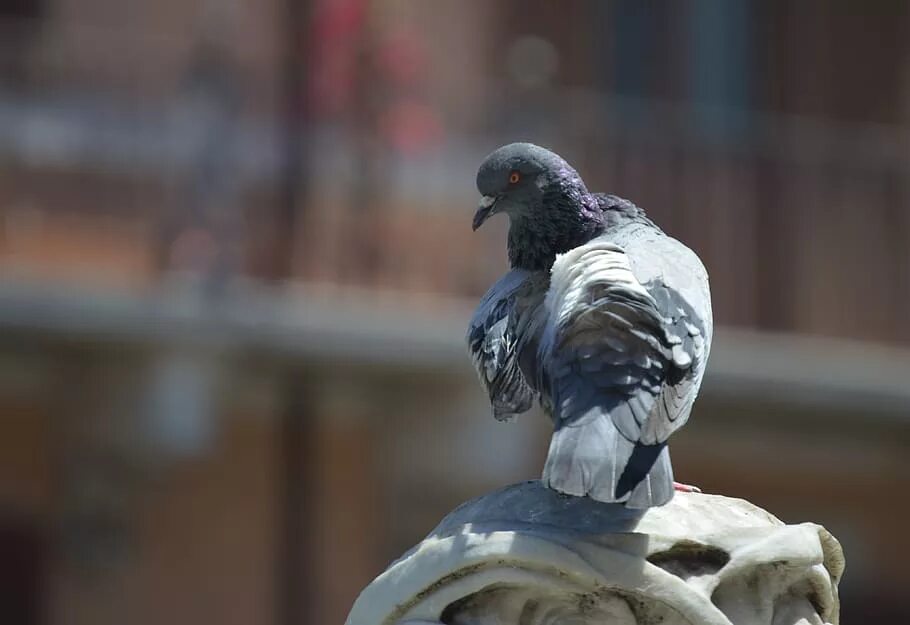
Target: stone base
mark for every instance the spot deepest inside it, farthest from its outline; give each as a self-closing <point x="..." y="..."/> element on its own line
<point x="528" y="555"/>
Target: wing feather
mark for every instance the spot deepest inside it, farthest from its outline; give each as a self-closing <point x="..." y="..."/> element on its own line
<point x="620" y="352"/>
<point x="502" y="328"/>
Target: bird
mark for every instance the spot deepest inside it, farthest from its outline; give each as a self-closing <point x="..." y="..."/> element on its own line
<point x="602" y="319"/>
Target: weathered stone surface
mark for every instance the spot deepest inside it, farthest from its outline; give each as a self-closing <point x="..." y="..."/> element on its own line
<point x="528" y="555"/>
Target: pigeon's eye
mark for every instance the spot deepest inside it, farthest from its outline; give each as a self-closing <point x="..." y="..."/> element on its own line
<point x="514" y="177"/>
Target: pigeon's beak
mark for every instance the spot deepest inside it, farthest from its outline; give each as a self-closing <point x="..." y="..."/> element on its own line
<point x="487" y="207"/>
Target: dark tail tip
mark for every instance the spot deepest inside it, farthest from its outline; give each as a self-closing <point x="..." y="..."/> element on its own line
<point x="640" y="462"/>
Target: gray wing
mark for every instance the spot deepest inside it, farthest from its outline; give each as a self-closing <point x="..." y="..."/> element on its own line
<point x="624" y="353"/>
<point x="501" y="335"/>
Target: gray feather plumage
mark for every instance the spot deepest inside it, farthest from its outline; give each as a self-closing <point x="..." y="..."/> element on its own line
<point x="624" y="352"/>
<point x="615" y="364"/>
<point x="604" y="319"/>
<point x="500" y="331"/>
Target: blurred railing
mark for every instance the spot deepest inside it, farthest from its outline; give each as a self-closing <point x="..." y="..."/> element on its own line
<point x="804" y="225"/>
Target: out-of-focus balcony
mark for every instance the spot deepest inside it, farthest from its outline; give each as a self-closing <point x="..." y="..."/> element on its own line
<point x="124" y="195"/>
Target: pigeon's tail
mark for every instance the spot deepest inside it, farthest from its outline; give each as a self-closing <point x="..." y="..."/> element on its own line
<point x="591" y="458"/>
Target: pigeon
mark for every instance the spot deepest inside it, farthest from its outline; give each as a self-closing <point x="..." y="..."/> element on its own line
<point x="603" y="319"/>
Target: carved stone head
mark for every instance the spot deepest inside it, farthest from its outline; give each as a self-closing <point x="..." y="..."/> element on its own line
<point x="526" y="555"/>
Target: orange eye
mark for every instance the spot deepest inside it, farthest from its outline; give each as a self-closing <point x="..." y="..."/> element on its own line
<point x="514" y="177"/>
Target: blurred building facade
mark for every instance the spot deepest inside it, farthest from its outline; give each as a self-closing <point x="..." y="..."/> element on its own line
<point x="236" y="264"/>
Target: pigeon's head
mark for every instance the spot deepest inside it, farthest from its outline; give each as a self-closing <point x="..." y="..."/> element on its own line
<point x="525" y="181"/>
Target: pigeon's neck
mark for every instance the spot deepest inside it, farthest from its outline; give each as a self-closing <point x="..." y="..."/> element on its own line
<point x="571" y="221"/>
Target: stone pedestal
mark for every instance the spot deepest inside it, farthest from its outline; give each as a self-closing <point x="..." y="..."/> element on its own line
<point x="526" y="555"/>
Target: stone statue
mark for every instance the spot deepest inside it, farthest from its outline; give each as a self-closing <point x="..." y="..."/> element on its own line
<point x="527" y="555"/>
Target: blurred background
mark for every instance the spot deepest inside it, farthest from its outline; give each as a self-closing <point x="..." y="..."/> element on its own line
<point x="236" y="266"/>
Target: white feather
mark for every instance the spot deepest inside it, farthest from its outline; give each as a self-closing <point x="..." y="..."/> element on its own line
<point x="571" y="278"/>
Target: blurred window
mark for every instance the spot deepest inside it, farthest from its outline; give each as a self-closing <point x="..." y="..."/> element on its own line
<point x="19" y="22"/>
